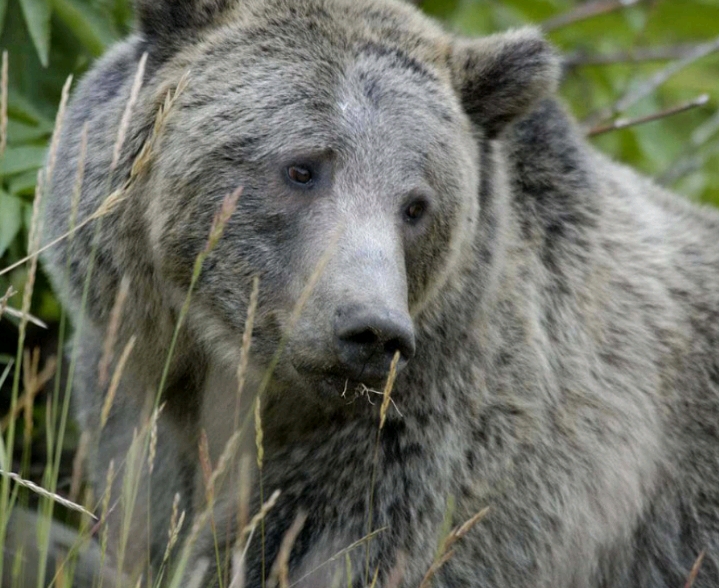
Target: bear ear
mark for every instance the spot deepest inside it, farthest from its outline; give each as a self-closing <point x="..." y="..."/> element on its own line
<point x="500" y="77"/>
<point x="172" y="21"/>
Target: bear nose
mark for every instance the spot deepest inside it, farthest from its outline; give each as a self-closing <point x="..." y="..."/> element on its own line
<point x="367" y="339"/>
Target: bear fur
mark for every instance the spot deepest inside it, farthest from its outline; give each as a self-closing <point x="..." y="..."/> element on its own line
<point x="559" y="313"/>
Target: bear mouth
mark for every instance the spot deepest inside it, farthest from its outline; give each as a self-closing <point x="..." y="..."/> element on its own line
<point x="338" y="385"/>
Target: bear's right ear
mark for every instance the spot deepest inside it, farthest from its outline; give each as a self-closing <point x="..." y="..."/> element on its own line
<point x="500" y="77"/>
<point x="171" y="22"/>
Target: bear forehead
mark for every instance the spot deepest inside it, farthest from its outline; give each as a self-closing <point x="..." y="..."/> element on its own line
<point x="328" y="86"/>
<point x="323" y="30"/>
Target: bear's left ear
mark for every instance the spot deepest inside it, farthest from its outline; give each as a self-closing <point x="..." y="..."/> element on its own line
<point x="500" y="77"/>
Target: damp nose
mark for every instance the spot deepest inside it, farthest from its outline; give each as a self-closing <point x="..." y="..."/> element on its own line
<point x="367" y="338"/>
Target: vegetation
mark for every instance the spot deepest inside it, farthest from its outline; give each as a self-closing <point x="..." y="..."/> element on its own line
<point x="642" y="76"/>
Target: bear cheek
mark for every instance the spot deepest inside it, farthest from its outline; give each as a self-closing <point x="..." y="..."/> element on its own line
<point x="426" y="262"/>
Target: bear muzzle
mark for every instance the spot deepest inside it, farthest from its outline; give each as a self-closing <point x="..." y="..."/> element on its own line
<point x="366" y="338"/>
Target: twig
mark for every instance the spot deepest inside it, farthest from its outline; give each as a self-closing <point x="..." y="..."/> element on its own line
<point x="637" y="55"/>
<point x="585" y="11"/>
<point x="659" y="78"/>
<point x="623" y="123"/>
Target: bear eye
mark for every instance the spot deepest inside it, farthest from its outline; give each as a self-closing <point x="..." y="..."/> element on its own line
<point x="415" y="211"/>
<point x="300" y="175"/>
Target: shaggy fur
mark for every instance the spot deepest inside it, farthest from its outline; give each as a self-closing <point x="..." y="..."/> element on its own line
<point x="565" y="309"/>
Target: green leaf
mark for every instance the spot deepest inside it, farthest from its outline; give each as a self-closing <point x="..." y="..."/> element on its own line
<point x="37" y="17"/>
<point x="23" y="109"/>
<point x="86" y="24"/>
<point x="19" y="132"/>
<point x="22" y="159"/>
<point x="10" y="220"/>
<point x="24" y="183"/>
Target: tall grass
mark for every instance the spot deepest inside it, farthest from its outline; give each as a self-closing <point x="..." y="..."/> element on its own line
<point x="93" y="534"/>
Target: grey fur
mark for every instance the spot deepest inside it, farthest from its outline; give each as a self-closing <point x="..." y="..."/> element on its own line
<point x="566" y="310"/>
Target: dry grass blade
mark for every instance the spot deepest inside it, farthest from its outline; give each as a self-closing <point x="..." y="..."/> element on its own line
<point x="46" y="494"/>
<point x="238" y="570"/>
<point x="388" y="389"/>
<point x="105" y="508"/>
<point x="260" y="516"/>
<point x="32" y="246"/>
<point x="695" y="570"/>
<point x="143" y="159"/>
<point x="446" y="552"/>
<point x="25" y="316"/>
<point x="78" y="462"/>
<point x="383" y="416"/>
<point x="176" y="523"/>
<point x="119" y="196"/>
<point x="3" y="103"/>
<point x="206" y="466"/>
<point x="258" y="433"/>
<point x="115" y="382"/>
<point x="198" y="574"/>
<point x="374" y="578"/>
<point x="34" y="382"/>
<point x="243" y="540"/>
<point x="127" y="113"/>
<point x="55" y="142"/>
<point x="340" y="553"/>
<point x="4" y="300"/>
<point x="246" y="342"/>
<point x="280" y="573"/>
<point x="112" y="330"/>
<point x="396" y="574"/>
<point x="152" y="452"/>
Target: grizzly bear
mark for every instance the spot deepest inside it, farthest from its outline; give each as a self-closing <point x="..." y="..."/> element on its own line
<point x="408" y="206"/>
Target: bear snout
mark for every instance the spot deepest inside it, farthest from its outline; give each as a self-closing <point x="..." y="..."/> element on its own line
<point x="366" y="338"/>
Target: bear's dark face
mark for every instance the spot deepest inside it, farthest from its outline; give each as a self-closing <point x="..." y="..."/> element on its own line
<point x="358" y="160"/>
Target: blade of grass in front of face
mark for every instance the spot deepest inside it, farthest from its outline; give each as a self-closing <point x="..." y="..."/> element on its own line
<point x="241" y="474"/>
<point x="140" y="445"/>
<point x="383" y="415"/>
<point x="294" y="317"/>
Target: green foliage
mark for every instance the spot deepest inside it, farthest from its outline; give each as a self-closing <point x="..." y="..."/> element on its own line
<point x="49" y="39"/>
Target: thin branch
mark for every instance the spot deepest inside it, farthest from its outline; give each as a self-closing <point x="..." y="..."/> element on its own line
<point x="623" y="123"/>
<point x="659" y="78"/>
<point x="585" y="11"/>
<point x="646" y="88"/>
<point x="637" y="55"/>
